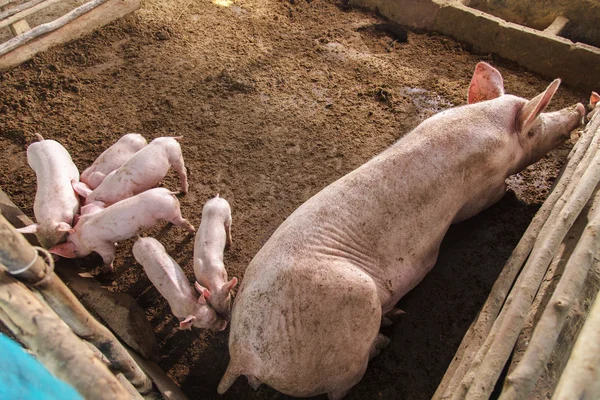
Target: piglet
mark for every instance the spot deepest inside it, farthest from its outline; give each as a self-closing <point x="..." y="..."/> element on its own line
<point x="98" y="231"/>
<point x="213" y="236"/>
<point x="594" y="99"/>
<point x="55" y="202"/>
<point x="112" y="158"/>
<point x="173" y="285"/>
<point x="140" y="172"/>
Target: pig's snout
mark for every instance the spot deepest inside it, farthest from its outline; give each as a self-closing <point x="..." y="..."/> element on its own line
<point x="221" y="325"/>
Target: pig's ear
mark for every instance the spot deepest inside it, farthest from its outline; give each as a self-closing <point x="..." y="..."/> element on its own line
<point x="594" y="99"/>
<point x="81" y="188"/>
<point x="186" y="324"/>
<point x="228" y="287"/>
<point x="204" y="293"/>
<point x="486" y="84"/>
<point x="64" y="227"/>
<point x="534" y="107"/>
<point x="33" y="228"/>
<point x="66" y="250"/>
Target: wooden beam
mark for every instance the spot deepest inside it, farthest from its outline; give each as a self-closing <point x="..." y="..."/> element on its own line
<point x="99" y="16"/>
<point x="20" y="25"/>
<point x="13" y="15"/>
<point x="22" y="7"/>
<point x="48" y="27"/>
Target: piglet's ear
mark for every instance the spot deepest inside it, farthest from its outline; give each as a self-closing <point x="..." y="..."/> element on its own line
<point x="486" y="84"/>
<point x="81" y="188"/>
<point x="33" y="228"/>
<point x="66" y="250"/>
<point x="229" y="285"/>
<point x="594" y="99"/>
<point x="534" y="107"/>
<point x="204" y="293"/>
<point x="64" y="227"/>
<point x="186" y="324"/>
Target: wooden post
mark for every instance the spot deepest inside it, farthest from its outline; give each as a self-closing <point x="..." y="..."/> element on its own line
<point x="476" y="335"/>
<point x="22" y="260"/>
<point x="521" y="381"/>
<point x="504" y="333"/>
<point x="119" y="311"/>
<point x="54" y="344"/>
<point x="581" y="377"/>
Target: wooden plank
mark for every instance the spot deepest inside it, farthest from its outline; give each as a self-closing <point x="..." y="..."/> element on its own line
<point x="99" y="16"/>
<point x="165" y="385"/>
<point x="19" y="27"/>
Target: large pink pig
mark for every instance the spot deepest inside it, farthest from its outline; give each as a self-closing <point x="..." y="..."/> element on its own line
<point x="212" y="237"/>
<point x="306" y="318"/>
<point x="173" y="285"/>
<point x="112" y="158"/>
<point x="55" y="202"/>
<point x="99" y="229"/>
<point x="141" y="171"/>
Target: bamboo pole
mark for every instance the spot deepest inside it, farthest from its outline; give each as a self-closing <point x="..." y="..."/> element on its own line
<point x="22" y="260"/>
<point x="54" y="344"/>
<point x="481" y="381"/>
<point x="581" y="377"/>
<point x="48" y="27"/>
<point x="522" y="380"/>
<point x="482" y="325"/>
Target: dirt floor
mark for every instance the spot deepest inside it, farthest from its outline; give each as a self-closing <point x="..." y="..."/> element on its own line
<point x="275" y="100"/>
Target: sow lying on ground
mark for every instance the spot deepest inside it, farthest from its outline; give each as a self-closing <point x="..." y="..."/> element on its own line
<point x="306" y="318"/>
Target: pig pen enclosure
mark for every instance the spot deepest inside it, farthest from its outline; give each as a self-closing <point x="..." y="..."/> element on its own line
<point x="274" y="100"/>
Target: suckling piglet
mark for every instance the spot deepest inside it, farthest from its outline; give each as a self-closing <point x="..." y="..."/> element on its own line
<point x="98" y="231"/>
<point x="141" y="171"/>
<point x="212" y="237"/>
<point x="55" y="202"/>
<point x="173" y="285"/>
<point x="112" y="158"/>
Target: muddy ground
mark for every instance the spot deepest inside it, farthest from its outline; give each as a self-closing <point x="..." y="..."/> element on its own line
<point x="275" y="100"/>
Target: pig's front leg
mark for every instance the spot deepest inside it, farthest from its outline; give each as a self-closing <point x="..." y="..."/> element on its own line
<point x="379" y="344"/>
<point x="107" y="252"/>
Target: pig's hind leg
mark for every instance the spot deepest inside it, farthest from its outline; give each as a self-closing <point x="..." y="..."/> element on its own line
<point x="183" y="223"/>
<point x="179" y="166"/>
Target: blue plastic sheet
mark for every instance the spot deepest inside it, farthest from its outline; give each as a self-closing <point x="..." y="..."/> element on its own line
<point x="24" y="377"/>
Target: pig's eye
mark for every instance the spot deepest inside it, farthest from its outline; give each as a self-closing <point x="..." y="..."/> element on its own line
<point x="537" y="128"/>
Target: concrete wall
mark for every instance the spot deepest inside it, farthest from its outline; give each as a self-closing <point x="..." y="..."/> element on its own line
<point x="576" y="64"/>
<point x="583" y="15"/>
